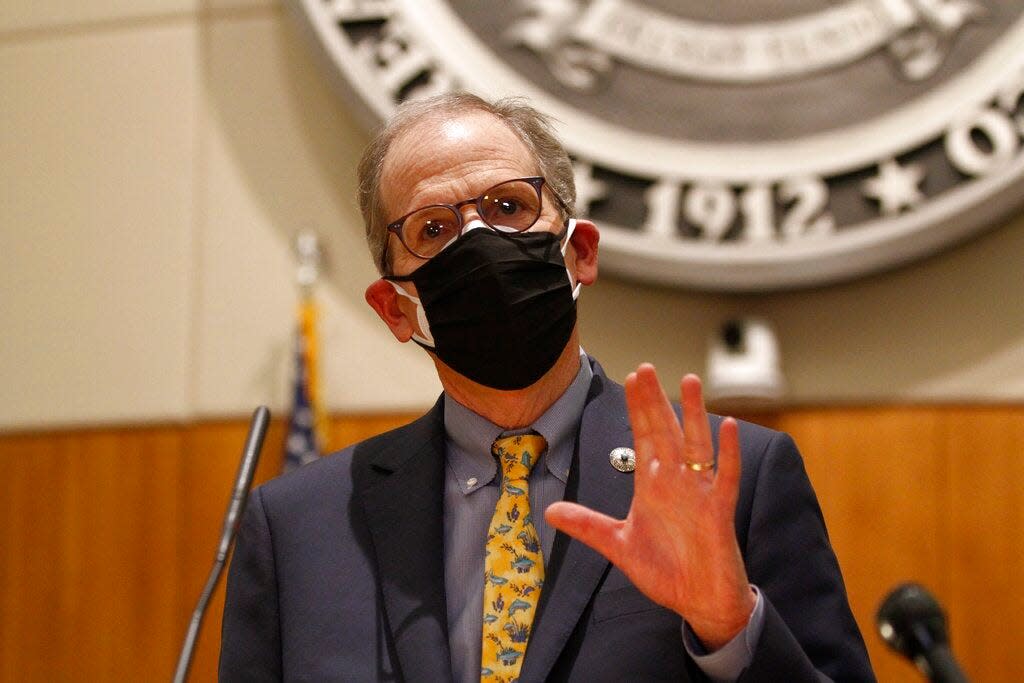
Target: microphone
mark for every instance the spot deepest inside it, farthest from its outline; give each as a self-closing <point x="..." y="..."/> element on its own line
<point x="239" y="497"/>
<point x="911" y="622"/>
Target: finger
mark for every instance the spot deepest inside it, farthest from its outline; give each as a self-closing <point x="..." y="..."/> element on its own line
<point x="598" y="531"/>
<point x="634" y="406"/>
<point x="727" y="481"/>
<point x="666" y="436"/>
<point x="696" y="429"/>
<point x="657" y="438"/>
<point x="655" y="401"/>
<point x="638" y="420"/>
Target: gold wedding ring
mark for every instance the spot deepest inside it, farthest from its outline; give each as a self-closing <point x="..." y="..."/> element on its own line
<point x="701" y="466"/>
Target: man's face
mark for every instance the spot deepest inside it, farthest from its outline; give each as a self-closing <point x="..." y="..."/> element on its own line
<point x="446" y="162"/>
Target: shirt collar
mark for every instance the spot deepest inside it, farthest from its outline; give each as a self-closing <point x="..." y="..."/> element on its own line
<point x="470" y="435"/>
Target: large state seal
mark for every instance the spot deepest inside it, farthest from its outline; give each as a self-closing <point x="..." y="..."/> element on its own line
<point x="731" y="145"/>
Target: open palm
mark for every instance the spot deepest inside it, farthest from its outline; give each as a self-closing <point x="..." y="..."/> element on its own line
<point x="678" y="543"/>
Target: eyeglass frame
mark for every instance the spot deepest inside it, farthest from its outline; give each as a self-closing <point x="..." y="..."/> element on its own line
<point x="538" y="183"/>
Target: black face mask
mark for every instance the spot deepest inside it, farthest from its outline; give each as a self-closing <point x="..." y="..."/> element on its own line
<point x="499" y="309"/>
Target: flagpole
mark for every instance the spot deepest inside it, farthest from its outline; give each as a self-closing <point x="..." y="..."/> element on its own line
<point x="304" y="441"/>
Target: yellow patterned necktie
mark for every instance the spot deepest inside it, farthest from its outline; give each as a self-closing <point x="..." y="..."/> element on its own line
<point x="513" y="566"/>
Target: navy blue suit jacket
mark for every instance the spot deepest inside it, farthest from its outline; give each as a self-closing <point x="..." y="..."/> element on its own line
<point x="338" y="574"/>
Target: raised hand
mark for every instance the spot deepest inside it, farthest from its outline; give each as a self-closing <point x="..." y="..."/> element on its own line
<point x="678" y="543"/>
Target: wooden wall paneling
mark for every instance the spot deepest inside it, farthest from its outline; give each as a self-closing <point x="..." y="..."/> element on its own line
<point x="985" y="500"/>
<point x="139" y="574"/>
<point x="347" y="430"/>
<point x="872" y="469"/>
<point x="30" y="532"/>
<point x="90" y="554"/>
<point x="106" y="535"/>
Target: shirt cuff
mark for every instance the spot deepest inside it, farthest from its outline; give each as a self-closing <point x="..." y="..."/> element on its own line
<point x="725" y="664"/>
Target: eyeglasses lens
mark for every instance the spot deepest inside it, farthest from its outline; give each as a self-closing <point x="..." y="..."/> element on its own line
<point x="511" y="207"/>
<point x="430" y="230"/>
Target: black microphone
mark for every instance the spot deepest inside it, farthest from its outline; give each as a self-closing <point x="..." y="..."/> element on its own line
<point x="913" y="624"/>
<point x="239" y="496"/>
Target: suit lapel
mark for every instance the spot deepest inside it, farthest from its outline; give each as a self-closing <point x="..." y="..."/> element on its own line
<point x="574" y="570"/>
<point x="402" y="494"/>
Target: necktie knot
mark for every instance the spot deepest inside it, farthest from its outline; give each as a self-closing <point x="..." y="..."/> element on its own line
<point x="518" y="454"/>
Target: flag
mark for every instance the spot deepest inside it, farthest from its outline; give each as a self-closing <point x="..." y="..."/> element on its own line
<point x="305" y="425"/>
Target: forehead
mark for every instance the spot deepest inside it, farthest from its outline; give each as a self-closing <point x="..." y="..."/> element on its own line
<point x="449" y="158"/>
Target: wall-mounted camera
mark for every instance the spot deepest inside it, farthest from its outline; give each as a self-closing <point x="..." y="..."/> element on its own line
<point x="743" y="364"/>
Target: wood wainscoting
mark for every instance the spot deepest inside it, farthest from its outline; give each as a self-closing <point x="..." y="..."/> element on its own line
<point x="107" y="534"/>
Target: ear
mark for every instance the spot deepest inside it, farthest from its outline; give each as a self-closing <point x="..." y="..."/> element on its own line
<point x="383" y="299"/>
<point x="582" y="256"/>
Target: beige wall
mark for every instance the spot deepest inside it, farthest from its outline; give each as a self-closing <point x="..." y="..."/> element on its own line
<point x="159" y="156"/>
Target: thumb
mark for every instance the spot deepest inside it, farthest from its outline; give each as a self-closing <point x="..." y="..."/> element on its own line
<point x="598" y="531"/>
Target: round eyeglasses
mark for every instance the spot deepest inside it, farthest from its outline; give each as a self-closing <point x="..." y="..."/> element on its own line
<point x="510" y="206"/>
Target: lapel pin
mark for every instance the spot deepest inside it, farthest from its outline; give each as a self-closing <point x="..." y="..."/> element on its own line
<point x="623" y="459"/>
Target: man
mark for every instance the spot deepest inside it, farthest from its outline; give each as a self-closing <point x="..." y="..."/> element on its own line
<point x="430" y="552"/>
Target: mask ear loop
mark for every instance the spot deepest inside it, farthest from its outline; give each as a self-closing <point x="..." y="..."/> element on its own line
<point x="570" y="227"/>
<point x="427" y="339"/>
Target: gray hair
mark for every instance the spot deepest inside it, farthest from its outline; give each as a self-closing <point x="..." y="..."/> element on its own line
<point x="529" y="125"/>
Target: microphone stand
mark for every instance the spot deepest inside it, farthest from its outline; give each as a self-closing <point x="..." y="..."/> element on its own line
<point x="239" y="496"/>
